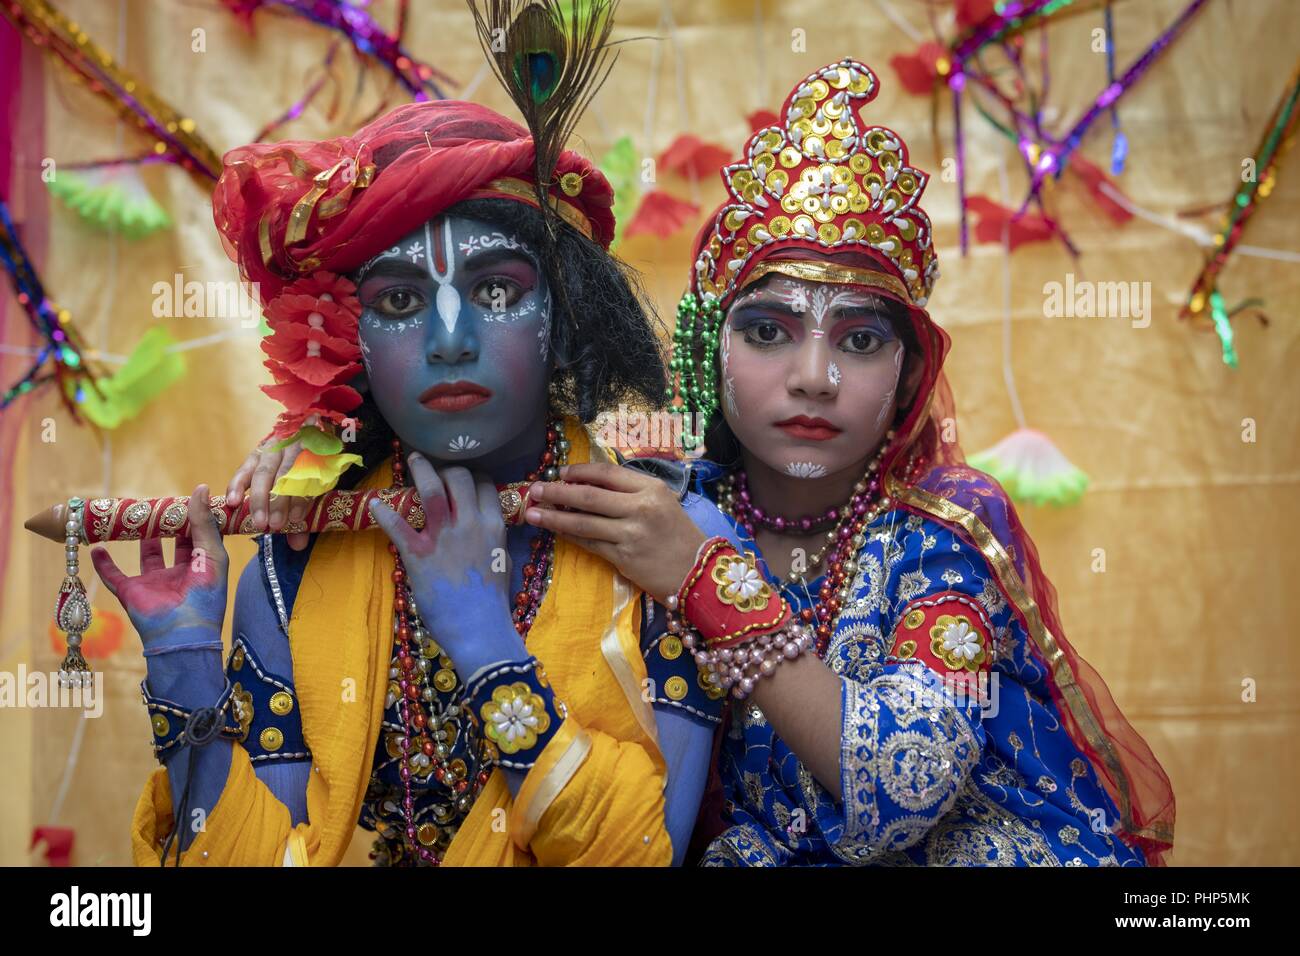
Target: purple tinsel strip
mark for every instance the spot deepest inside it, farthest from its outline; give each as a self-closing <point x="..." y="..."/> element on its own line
<point x="987" y="29"/>
<point x="956" y="81"/>
<point x="1054" y="157"/>
<point x="369" y="38"/>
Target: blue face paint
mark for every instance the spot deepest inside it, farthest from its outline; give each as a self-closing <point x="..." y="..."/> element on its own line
<point x="454" y="334"/>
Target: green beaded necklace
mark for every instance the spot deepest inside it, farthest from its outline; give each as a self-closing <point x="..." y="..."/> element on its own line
<point x="696" y="335"/>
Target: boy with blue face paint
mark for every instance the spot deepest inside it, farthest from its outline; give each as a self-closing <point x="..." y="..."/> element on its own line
<point x="422" y="331"/>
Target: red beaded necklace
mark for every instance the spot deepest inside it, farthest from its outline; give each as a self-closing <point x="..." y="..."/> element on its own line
<point x="417" y="746"/>
<point x="845" y="540"/>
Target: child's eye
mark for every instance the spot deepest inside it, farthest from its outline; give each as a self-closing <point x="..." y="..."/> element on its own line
<point x="861" y="341"/>
<point x="765" y="333"/>
<point x="497" y="293"/>
<point x="398" y="302"/>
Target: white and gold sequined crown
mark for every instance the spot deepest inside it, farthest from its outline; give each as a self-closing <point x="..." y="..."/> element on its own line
<point x="822" y="180"/>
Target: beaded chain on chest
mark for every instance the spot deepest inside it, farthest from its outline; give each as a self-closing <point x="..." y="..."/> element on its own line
<point x="843" y="542"/>
<point x="424" y="743"/>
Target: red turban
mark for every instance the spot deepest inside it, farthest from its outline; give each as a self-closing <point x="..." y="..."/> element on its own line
<point x="285" y="210"/>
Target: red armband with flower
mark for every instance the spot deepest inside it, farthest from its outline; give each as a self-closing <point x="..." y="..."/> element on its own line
<point x="725" y="598"/>
<point x="950" y="632"/>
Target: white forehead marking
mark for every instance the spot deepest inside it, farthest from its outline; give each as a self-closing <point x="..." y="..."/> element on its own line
<point x="492" y="241"/>
<point x="386" y="254"/>
<point x="448" y="298"/>
<point x="797" y="297"/>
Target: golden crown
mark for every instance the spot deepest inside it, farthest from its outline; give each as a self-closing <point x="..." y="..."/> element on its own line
<point x="822" y="180"/>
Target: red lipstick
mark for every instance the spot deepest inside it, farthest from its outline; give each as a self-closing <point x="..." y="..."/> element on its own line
<point x="455" y="396"/>
<point x="808" y="429"/>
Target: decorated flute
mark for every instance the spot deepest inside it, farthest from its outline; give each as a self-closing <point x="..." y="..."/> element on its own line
<point x="130" y="519"/>
<point x="81" y="521"/>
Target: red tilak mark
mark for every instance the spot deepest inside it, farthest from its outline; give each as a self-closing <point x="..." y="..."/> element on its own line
<point x="439" y="253"/>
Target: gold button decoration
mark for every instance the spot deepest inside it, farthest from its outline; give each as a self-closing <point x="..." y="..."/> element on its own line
<point x="271" y="738"/>
<point x="426" y="834"/>
<point x="914" y="619"/>
<point x="711" y="690"/>
<point x="393" y="744"/>
<point x="458" y="768"/>
<point x="906" y="649"/>
<point x="675" y="688"/>
<point x="670" y="648"/>
<point x="430" y="649"/>
<point x="237" y="661"/>
<point x="571" y="183"/>
<point x="161" y="725"/>
<point x="281" y="702"/>
<point x="444" y="680"/>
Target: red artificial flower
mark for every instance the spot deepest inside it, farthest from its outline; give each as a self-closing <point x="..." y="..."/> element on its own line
<point x="972" y="12"/>
<point x="335" y="318"/>
<point x="311" y="354"/>
<point x="313" y="350"/>
<point x="919" y="71"/>
<point x="690" y="156"/>
<point x="243" y="11"/>
<point x="1093" y="178"/>
<point x="660" y="215"/>
<point x="992" y="217"/>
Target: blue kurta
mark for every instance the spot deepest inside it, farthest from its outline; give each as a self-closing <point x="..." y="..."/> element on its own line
<point x="928" y="778"/>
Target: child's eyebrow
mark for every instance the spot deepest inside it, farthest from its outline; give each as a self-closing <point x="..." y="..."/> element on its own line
<point x="394" y="268"/>
<point x="868" y="307"/>
<point x="485" y="258"/>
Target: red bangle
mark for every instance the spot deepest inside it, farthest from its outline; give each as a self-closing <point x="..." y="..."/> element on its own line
<point x="726" y="599"/>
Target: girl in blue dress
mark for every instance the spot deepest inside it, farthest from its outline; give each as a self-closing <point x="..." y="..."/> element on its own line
<point x="940" y="717"/>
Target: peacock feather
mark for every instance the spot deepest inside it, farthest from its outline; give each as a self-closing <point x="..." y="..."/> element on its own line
<point x="551" y="57"/>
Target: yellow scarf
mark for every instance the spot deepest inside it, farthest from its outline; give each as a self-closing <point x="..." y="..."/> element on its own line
<point x="594" y="797"/>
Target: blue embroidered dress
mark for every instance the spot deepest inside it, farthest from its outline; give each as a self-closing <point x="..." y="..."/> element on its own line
<point x="929" y="777"/>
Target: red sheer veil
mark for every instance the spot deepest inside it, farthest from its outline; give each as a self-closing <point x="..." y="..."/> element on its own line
<point x="974" y="506"/>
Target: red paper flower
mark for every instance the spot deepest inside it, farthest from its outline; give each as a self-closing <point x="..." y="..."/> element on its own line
<point x="919" y="71"/>
<point x="690" y="156"/>
<point x="301" y="401"/>
<point x="243" y="11"/>
<point x="971" y="12"/>
<point x="312" y="350"/>
<point x="992" y="217"/>
<point x="58" y="843"/>
<point x="1093" y="177"/>
<point x="312" y="355"/>
<point x="660" y="215"/>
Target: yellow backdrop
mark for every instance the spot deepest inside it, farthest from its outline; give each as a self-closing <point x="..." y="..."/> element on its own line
<point x="1195" y="525"/>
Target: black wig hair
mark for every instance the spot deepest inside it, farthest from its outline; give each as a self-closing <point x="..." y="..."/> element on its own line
<point x="606" y="352"/>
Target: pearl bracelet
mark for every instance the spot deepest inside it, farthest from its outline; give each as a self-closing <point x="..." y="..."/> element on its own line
<point x="738" y="668"/>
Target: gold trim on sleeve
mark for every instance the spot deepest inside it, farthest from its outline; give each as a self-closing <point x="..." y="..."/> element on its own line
<point x="1000" y="562"/>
